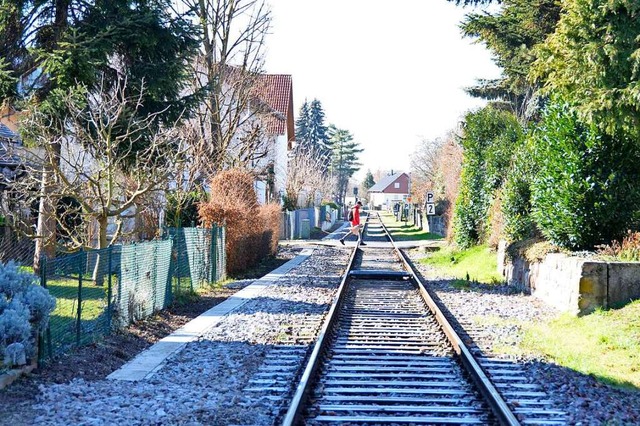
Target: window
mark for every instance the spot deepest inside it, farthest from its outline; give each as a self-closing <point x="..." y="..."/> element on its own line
<point x="396" y="185"/>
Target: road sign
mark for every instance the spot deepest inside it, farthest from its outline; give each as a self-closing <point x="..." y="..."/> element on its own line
<point x="430" y="197"/>
<point x="431" y="209"/>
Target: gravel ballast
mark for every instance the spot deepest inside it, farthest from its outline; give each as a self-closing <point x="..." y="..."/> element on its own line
<point x="216" y="379"/>
<point x="205" y="382"/>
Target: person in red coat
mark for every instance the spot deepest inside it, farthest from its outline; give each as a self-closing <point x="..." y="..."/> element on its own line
<point x="355" y="228"/>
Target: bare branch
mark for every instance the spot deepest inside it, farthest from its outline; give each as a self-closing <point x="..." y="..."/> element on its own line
<point x="103" y="156"/>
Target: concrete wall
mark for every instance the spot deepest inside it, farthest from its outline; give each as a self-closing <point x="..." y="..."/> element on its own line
<point x="573" y="284"/>
<point x="292" y="226"/>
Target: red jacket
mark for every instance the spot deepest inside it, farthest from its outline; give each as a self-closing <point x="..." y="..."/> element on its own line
<point x="356" y="215"/>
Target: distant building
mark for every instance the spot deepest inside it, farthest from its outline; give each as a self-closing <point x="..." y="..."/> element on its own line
<point x="390" y="190"/>
<point x="9" y="122"/>
<point x="10" y="162"/>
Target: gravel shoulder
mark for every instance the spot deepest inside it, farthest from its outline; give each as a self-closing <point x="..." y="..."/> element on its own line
<point x="202" y="384"/>
<point x="206" y="383"/>
<point x="498" y="313"/>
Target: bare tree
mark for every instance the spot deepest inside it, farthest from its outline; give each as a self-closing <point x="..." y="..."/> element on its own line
<point x="233" y="33"/>
<point x="306" y="178"/>
<point x="424" y="159"/>
<point x="100" y="168"/>
<point x="425" y="172"/>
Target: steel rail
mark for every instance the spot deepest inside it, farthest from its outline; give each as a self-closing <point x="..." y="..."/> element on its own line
<point x="497" y="404"/>
<point x="306" y="381"/>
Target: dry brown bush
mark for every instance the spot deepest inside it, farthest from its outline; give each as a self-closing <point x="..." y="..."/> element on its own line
<point x="449" y="165"/>
<point x="252" y="230"/>
<point x="271" y="214"/>
<point x="628" y="250"/>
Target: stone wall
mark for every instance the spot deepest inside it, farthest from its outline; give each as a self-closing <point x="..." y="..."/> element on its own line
<point x="437" y="225"/>
<point x="573" y="284"/>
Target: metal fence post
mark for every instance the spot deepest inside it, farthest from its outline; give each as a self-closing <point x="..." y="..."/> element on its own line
<point x="154" y="278"/>
<point x="212" y="254"/>
<point x="222" y="249"/>
<point x="109" y="286"/>
<point x="41" y="335"/>
<point x="172" y="268"/>
<point x="79" y="316"/>
<point x="178" y="264"/>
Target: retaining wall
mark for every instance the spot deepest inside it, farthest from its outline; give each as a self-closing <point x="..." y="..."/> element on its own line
<point x="573" y="284"/>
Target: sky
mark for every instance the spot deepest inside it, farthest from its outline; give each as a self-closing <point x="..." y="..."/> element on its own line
<point x="392" y="73"/>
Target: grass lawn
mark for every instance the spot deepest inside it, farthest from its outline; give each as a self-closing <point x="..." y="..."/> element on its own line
<point x="478" y="263"/>
<point x="605" y="344"/>
<point x="405" y="231"/>
<point x="64" y="317"/>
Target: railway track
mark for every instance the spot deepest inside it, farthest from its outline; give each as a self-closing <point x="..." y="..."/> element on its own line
<point x="387" y="355"/>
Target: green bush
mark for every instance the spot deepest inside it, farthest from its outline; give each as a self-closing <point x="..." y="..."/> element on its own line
<point x="470" y="210"/>
<point x="586" y="187"/>
<point x="182" y="209"/>
<point x="489" y="140"/>
<point x="331" y="204"/>
<point x="289" y="204"/>
<point x="516" y="196"/>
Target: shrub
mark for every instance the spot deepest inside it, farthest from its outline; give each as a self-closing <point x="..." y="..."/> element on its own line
<point x="252" y="231"/>
<point x="585" y="191"/>
<point x="489" y="140"/>
<point x="516" y="197"/>
<point x="270" y="215"/>
<point x="495" y="222"/>
<point x="628" y="250"/>
<point x="449" y="167"/>
<point x="469" y="212"/>
<point x="289" y="203"/>
<point x="182" y="209"/>
<point x="331" y="204"/>
<point x="24" y="312"/>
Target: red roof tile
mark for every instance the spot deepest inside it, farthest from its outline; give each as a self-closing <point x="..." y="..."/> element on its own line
<point x="275" y="90"/>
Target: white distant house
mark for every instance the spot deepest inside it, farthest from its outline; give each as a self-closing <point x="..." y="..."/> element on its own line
<point x="389" y="190"/>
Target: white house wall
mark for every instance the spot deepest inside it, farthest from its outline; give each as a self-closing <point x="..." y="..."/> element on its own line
<point x="385" y="201"/>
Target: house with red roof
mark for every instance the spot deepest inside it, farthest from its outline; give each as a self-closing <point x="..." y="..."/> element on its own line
<point x="389" y="190"/>
<point x="274" y="93"/>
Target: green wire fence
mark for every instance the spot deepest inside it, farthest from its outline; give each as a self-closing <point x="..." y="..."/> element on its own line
<point x="99" y="291"/>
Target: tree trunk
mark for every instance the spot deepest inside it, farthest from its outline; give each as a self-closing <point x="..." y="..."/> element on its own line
<point x="46" y="228"/>
<point x="99" y="270"/>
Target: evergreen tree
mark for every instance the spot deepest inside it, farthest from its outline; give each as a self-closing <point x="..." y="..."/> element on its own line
<point x="302" y="126"/>
<point x="51" y="48"/>
<point x="318" y="137"/>
<point x="593" y="61"/>
<point x="368" y="181"/>
<point x="138" y="41"/>
<point x="344" y="159"/>
<point x="311" y="131"/>
<point x="512" y="34"/>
